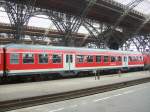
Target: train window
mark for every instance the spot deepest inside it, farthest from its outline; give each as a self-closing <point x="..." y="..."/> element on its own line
<point x="134" y="58"/>
<point x="130" y="59"/>
<point x="141" y="58"/>
<point x="71" y="58"/>
<point x="90" y="59"/>
<point x="28" y="58"/>
<point x="56" y="58"/>
<point x="98" y="58"/>
<point x="125" y="59"/>
<point x="113" y="59"/>
<point x="43" y="58"/>
<point x="138" y="58"/>
<point x="80" y="58"/>
<point x="14" y="58"/>
<point x="119" y="58"/>
<point x="67" y="58"/>
<point x="106" y="59"/>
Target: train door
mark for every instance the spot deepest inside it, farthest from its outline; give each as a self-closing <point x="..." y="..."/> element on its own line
<point x="69" y="61"/>
<point x="125" y="61"/>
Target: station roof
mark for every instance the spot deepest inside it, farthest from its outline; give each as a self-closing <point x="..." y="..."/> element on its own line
<point x="103" y="10"/>
<point x="143" y="7"/>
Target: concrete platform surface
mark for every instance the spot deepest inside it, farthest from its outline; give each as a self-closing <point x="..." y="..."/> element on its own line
<point x="25" y="90"/>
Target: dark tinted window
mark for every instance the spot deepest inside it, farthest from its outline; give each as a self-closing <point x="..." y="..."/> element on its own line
<point x="130" y="58"/>
<point x="125" y="59"/>
<point x="119" y="58"/>
<point x="43" y="58"/>
<point x="80" y="58"/>
<point x="141" y="58"/>
<point x="69" y="58"/>
<point x="113" y="58"/>
<point x="28" y="58"/>
<point x="106" y="59"/>
<point x="56" y="58"/>
<point x="90" y="59"/>
<point x="98" y="58"/>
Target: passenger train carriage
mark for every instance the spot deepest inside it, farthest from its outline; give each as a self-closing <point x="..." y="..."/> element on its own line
<point x="1" y="61"/>
<point x="36" y="59"/>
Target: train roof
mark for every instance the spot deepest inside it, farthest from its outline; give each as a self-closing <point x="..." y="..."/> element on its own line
<point x="1" y="46"/>
<point x="48" y="47"/>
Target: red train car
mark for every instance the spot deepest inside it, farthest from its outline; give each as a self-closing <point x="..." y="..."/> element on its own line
<point x="37" y="59"/>
<point x="146" y="60"/>
<point x="1" y="60"/>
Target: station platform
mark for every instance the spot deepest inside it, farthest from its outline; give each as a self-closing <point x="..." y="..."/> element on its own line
<point x="26" y="90"/>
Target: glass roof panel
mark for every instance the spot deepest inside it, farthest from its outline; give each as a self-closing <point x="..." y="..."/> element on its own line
<point x="143" y="7"/>
<point x="124" y="2"/>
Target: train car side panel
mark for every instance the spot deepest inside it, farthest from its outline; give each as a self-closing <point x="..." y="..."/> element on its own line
<point x="98" y="60"/>
<point x="1" y="62"/>
<point x="20" y="62"/>
<point x="136" y="60"/>
<point x="146" y="61"/>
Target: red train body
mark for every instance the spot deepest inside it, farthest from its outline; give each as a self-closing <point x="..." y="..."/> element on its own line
<point x="36" y="59"/>
<point x="1" y="61"/>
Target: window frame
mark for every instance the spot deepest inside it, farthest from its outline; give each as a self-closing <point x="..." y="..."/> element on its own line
<point x="113" y="61"/>
<point x="33" y="58"/>
<point x="130" y="59"/>
<point x="52" y="59"/>
<point x="39" y="58"/>
<point x="100" y="58"/>
<point x="141" y="58"/>
<point x="107" y="59"/>
<point x="77" y="59"/>
<point x="14" y="59"/>
<point x="119" y="58"/>
<point x="125" y="59"/>
<point x="88" y="59"/>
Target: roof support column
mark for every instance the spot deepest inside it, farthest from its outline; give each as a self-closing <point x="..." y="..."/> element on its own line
<point x="19" y="13"/>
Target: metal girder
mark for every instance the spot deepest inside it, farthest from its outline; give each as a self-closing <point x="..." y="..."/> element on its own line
<point x="88" y="24"/>
<point x="19" y="15"/>
<point x="147" y="19"/>
<point x="129" y="7"/>
<point x="85" y="12"/>
<point x="77" y="21"/>
<point x="142" y="43"/>
<point x="67" y="23"/>
<point x="56" y="17"/>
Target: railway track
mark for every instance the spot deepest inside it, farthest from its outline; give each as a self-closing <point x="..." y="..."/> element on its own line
<point x="39" y="100"/>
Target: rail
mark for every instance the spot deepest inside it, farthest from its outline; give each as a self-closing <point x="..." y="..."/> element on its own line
<point x="33" y="101"/>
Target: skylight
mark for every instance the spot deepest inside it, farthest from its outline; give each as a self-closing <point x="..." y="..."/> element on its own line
<point x="143" y="7"/>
